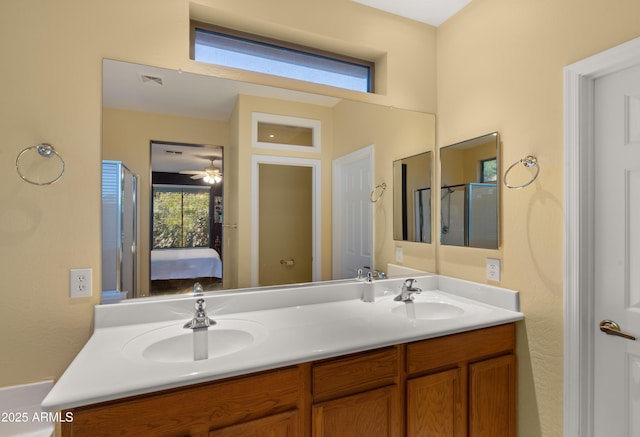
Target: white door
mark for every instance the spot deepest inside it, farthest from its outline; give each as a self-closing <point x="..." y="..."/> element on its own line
<point x="352" y="213"/>
<point x="617" y="253"/>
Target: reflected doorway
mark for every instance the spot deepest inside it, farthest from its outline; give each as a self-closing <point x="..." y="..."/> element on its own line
<point x="286" y="225"/>
<point x="285" y="228"/>
<point x="186" y="217"/>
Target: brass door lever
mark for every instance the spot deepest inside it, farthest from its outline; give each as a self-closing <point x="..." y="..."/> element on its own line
<point x="610" y="327"/>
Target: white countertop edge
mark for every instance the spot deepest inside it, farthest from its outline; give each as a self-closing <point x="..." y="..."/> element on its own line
<point x="61" y="403"/>
<point x="333" y="307"/>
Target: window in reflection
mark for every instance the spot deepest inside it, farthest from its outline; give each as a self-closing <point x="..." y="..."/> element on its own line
<point x="180" y="216"/>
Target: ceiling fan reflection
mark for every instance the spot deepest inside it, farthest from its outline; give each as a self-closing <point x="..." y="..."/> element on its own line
<point x="210" y="175"/>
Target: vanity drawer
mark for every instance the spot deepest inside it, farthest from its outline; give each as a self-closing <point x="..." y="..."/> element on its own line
<point x="427" y="355"/>
<point x="195" y="410"/>
<point x="360" y="372"/>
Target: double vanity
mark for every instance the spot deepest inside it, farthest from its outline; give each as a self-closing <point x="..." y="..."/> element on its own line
<point x="301" y="360"/>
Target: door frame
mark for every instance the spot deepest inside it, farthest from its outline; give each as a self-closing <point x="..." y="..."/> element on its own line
<point x="579" y="209"/>
<point x="316" y="210"/>
<point x="365" y="153"/>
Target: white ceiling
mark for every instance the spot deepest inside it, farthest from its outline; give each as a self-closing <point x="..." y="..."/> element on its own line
<point x="174" y="158"/>
<point x="187" y="95"/>
<point x="433" y="12"/>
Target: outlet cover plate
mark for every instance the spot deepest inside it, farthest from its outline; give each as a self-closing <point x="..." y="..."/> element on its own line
<point x="493" y="269"/>
<point x="80" y="283"/>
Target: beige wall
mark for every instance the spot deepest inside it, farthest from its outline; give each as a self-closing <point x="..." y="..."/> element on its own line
<point x="500" y="69"/>
<point x="461" y="165"/>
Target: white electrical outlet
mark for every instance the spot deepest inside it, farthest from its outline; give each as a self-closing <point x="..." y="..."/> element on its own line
<point x="399" y="255"/>
<point x="80" y="282"/>
<point x="493" y="269"/>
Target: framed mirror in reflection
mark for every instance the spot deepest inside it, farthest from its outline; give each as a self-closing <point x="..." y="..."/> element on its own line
<point x="412" y="198"/>
<point x="182" y="108"/>
<point x="469" y="193"/>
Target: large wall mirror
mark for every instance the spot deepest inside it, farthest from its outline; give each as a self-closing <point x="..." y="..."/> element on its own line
<point x="469" y="194"/>
<point x="412" y="198"/>
<point x="178" y="114"/>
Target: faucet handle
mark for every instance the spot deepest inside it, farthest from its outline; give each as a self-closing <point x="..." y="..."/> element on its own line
<point x="200" y="305"/>
<point x="200" y="318"/>
<point x="197" y="289"/>
<point x="409" y="285"/>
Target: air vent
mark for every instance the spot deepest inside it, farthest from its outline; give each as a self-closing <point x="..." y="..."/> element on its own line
<point x="151" y="80"/>
<point x="173" y="152"/>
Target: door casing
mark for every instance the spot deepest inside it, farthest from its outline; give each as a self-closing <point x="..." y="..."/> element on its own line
<point x="316" y="240"/>
<point x="579" y="190"/>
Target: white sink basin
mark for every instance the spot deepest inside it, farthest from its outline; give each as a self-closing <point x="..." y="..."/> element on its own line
<point x="428" y="310"/>
<point x="174" y="343"/>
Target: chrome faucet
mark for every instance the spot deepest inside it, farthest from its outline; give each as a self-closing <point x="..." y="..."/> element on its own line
<point x="200" y="319"/>
<point x="200" y="326"/>
<point x="379" y="275"/>
<point x="372" y="274"/>
<point x="407" y="291"/>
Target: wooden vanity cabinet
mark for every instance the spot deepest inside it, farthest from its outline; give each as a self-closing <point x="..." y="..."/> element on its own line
<point x="266" y="403"/>
<point x="359" y="395"/>
<point x="461" y="385"/>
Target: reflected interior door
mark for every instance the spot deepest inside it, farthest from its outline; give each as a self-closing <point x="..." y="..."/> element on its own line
<point x="285" y="224"/>
<point x="352" y="213"/>
<point x="617" y="253"/>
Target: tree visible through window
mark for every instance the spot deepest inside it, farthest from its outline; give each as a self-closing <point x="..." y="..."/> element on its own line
<point x="180" y="217"/>
<point x="489" y="169"/>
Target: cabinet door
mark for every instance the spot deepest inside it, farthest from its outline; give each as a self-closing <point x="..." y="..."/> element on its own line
<point x="375" y="413"/>
<point x="436" y="405"/>
<point x="278" y="425"/>
<point x="492" y="409"/>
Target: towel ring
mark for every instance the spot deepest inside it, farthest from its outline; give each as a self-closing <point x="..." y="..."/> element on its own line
<point x="43" y="150"/>
<point x="529" y="162"/>
<point x="377" y="192"/>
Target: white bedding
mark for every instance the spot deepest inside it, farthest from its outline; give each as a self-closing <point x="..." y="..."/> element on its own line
<point x="185" y="263"/>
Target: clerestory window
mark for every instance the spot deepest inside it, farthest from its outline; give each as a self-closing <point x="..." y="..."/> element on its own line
<point x="230" y="48"/>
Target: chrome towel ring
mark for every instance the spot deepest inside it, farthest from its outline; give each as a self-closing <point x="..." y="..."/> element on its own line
<point x="29" y="161"/>
<point x="529" y="162"/>
<point x="377" y="192"/>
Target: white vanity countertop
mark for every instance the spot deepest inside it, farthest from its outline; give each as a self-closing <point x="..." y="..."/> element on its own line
<point x="293" y="325"/>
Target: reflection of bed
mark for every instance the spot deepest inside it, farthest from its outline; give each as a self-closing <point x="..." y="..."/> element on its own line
<point x="185" y="263"/>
